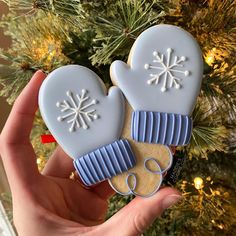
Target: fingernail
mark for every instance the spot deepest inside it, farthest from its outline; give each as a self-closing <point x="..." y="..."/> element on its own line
<point x="170" y="200"/>
<point x="39" y="71"/>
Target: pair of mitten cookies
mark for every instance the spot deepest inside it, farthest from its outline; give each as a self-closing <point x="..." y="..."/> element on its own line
<point x="127" y="143"/>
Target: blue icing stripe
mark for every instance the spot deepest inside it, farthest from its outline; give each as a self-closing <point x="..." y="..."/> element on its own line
<point x="161" y="128"/>
<point x="151" y="127"/>
<point x="105" y="162"/>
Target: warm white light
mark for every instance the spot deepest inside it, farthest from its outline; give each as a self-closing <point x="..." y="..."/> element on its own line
<point x="39" y="161"/>
<point x="198" y="183"/>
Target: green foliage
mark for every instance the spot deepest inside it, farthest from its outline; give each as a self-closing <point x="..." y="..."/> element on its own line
<point x="39" y="41"/>
<point x="49" y="34"/>
<point x="211" y="22"/>
<point x="116" y="203"/>
<point x="115" y="38"/>
<point x="209" y="134"/>
<point x="13" y="81"/>
<point x="60" y="8"/>
<point x="219" y="88"/>
<point x="6" y="200"/>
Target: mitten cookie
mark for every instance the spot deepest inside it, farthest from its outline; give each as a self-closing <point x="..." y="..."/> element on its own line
<point x="86" y="122"/>
<point x="161" y="81"/>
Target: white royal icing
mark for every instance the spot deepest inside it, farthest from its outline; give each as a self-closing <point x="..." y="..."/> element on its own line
<point x="170" y="65"/>
<point x="78" y="110"/>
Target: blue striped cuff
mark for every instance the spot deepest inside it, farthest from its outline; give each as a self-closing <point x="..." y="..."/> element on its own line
<point x="105" y="162"/>
<point x="161" y="128"/>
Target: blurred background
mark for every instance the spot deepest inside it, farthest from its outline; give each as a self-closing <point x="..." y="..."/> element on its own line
<point x="5" y="42"/>
<point x="48" y="34"/>
<point x="5" y="227"/>
<point x="4" y="106"/>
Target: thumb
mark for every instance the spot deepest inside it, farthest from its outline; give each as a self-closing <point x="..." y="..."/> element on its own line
<point x="129" y="81"/>
<point x="139" y="214"/>
<point x="116" y="95"/>
<point x="120" y="73"/>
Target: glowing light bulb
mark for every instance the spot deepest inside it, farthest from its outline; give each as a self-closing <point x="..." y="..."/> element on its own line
<point x="220" y="226"/>
<point x="210" y="60"/>
<point x="198" y="183"/>
<point x="211" y="56"/>
<point x="39" y="161"/>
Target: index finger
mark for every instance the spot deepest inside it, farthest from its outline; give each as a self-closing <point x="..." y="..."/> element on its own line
<point x="16" y="151"/>
<point x="19" y="123"/>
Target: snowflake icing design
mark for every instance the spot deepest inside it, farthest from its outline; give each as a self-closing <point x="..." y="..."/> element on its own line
<point x="79" y="110"/>
<point x="168" y="69"/>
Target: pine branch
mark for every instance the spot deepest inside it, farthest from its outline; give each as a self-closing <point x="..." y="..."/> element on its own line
<point x="209" y="134"/>
<point x="116" y="32"/>
<point x="6" y="200"/>
<point x="220" y="81"/>
<point x="36" y="44"/>
<point x="70" y="13"/>
<point x="13" y="81"/>
<point x="219" y="88"/>
<point x="213" y="23"/>
<point x="19" y="5"/>
<point x="39" y="40"/>
<point x="61" y="8"/>
<point x="231" y="140"/>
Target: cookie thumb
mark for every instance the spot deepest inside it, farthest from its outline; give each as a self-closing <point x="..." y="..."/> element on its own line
<point x="119" y="72"/>
<point x="139" y="214"/>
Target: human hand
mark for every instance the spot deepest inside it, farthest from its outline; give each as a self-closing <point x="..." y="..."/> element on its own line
<point x="50" y="203"/>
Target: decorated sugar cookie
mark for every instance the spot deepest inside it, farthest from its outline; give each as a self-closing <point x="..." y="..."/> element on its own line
<point x="161" y="81"/>
<point x="86" y="122"/>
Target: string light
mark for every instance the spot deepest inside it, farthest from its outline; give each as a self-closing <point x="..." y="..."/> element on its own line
<point x="47" y="50"/>
<point x="220" y="226"/>
<point x="210" y="56"/>
<point x="208" y="178"/>
<point x="198" y="183"/>
<point x="214" y="55"/>
<point x="41" y="162"/>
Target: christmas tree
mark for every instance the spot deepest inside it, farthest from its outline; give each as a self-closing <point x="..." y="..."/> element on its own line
<point x="48" y="34"/>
